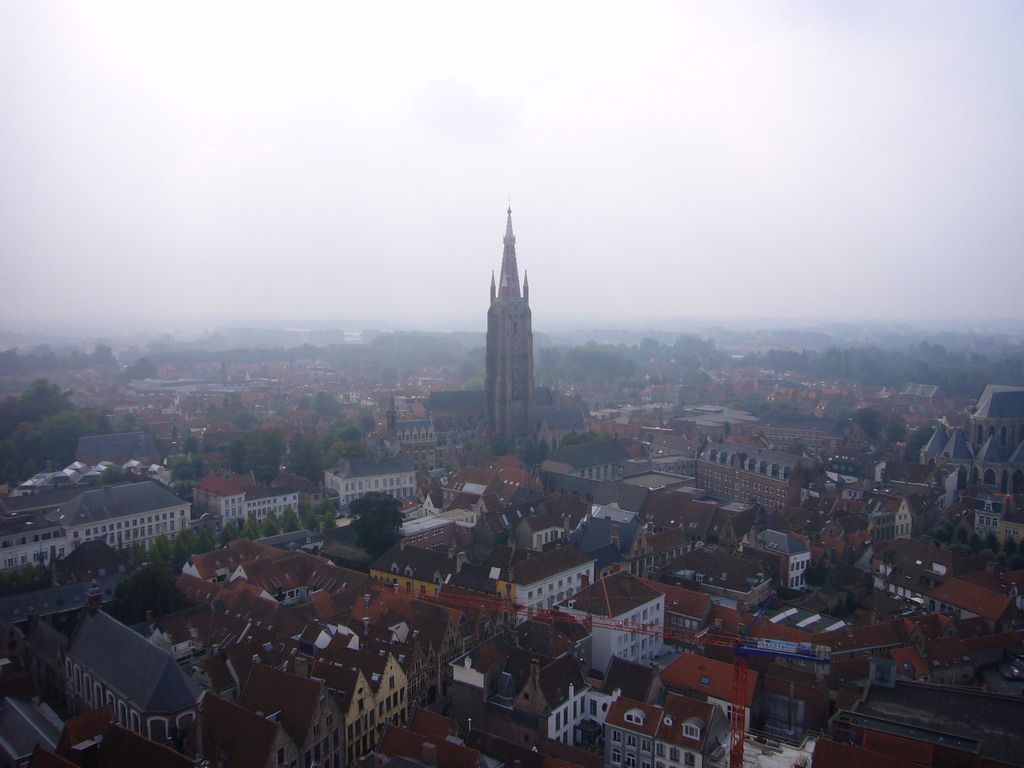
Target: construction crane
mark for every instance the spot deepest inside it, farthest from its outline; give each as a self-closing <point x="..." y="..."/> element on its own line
<point x="743" y="647"/>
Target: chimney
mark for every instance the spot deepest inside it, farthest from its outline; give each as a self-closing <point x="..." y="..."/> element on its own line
<point x="94" y="598"/>
<point x="615" y="534"/>
<point x="401" y="545"/>
<point x="366" y="600"/>
<point x="584" y="580"/>
<point x="428" y="754"/>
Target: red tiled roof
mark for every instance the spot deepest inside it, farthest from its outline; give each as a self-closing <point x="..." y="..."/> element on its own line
<point x="400" y="742"/>
<point x="617" y="716"/>
<point x="689" y="672"/>
<point x="972" y="598"/>
<point x="218" y="486"/>
<point x="829" y="754"/>
<point x="682" y="600"/>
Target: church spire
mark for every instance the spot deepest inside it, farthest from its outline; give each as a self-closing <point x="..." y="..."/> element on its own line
<point x="508" y="285"/>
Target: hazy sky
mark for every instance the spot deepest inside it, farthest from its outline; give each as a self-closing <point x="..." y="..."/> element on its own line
<point x="302" y="162"/>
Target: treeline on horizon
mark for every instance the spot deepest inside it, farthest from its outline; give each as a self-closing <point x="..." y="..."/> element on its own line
<point x="958" y="371"/>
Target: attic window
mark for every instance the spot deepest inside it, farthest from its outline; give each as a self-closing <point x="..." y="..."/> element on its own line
<point x="635" y="716"/>
<point x="375" y="677"/>
<point x="691" y="731"/>
<point x="705" y="680"/>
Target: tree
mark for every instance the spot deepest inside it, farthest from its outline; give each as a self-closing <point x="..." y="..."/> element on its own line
<point x="143" y="368"/>
<point x="151" y="589"/>
<point x="503" y="446"/>
<point x="376" y="520"/>
<point x="270" y="526"/>
<point x="184" y="547"/>
<point x="258" y="451"/>
<point x="327" y="520"/>
<point x="367" y="422"/>
<point x="305" y="457"/>
<point x="918" y="440"/>
<point x="579" y="438"/>
<point x="976" y="543"/>
<point x="227" y="534"/>
<point x="869" y="420"/>
<point x="327" y="405"/>
<point x="251" y="529"/>
<point x="111" y="475"/>
<point x="160" y="553"/>
<point x="103" y="357"/>
<point x="309" y="519"/>
<point x="289" y="520"/>
<point x="535" y="452"/>
<point x="206" y="541"/>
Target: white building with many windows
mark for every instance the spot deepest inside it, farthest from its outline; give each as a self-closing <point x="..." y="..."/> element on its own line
<point x="549" y="577"/>
<point x="616" y="600"/>
<point x="29" y="539"/>
<point x="351" y="478"/>
<point x="122" y="515"/>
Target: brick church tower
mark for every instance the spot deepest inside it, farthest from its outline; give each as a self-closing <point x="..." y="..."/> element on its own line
<point x="509" y="387"/>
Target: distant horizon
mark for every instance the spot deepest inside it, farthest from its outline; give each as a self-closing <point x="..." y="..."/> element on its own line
<point x="151" y="330"/>
<point x="671" y="164"/>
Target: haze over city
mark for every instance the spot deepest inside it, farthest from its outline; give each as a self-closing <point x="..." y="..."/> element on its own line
<point x="247" y="162"/>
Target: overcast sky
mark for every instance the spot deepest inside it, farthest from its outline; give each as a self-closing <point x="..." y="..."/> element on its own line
<point x="308" y="163"/>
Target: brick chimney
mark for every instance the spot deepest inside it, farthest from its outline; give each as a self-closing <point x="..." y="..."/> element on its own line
<point x="94" y="598"/>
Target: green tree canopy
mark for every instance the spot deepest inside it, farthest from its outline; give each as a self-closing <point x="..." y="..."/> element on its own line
<point x="151" y="589"/>
<point x="376" y="520"/>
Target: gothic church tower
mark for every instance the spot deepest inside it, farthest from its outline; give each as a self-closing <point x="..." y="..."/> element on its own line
<point x="509" y="387"/>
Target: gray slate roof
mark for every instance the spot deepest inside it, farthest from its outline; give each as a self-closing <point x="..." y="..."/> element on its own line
<point x="1000" y="402"/>
<point x="625" y="495"/>
<point x="114" y="502"/>
<point x="777" y="541"/>
<point x="958" y="447"/>
<point x="937" y="441"/>
<point x="594" y="537"/>
<point x="144" y="673"/>
<point x="23" y="725"/>
<point x="592" y="454"/>
<point x="44" y="602"/>
<point x="562" y="419"/>
<point x="388" y="465"/>
<point x="465" y="401"/>
<point x="992" y="453"/>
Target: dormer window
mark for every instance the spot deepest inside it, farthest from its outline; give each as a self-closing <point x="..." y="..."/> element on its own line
<point x="635" y="716"/>
<point x="691" y="731"/>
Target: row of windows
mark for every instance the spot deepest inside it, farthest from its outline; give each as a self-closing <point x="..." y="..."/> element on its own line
<point x="630" y="761"/>
<point x="378" y="483"/>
